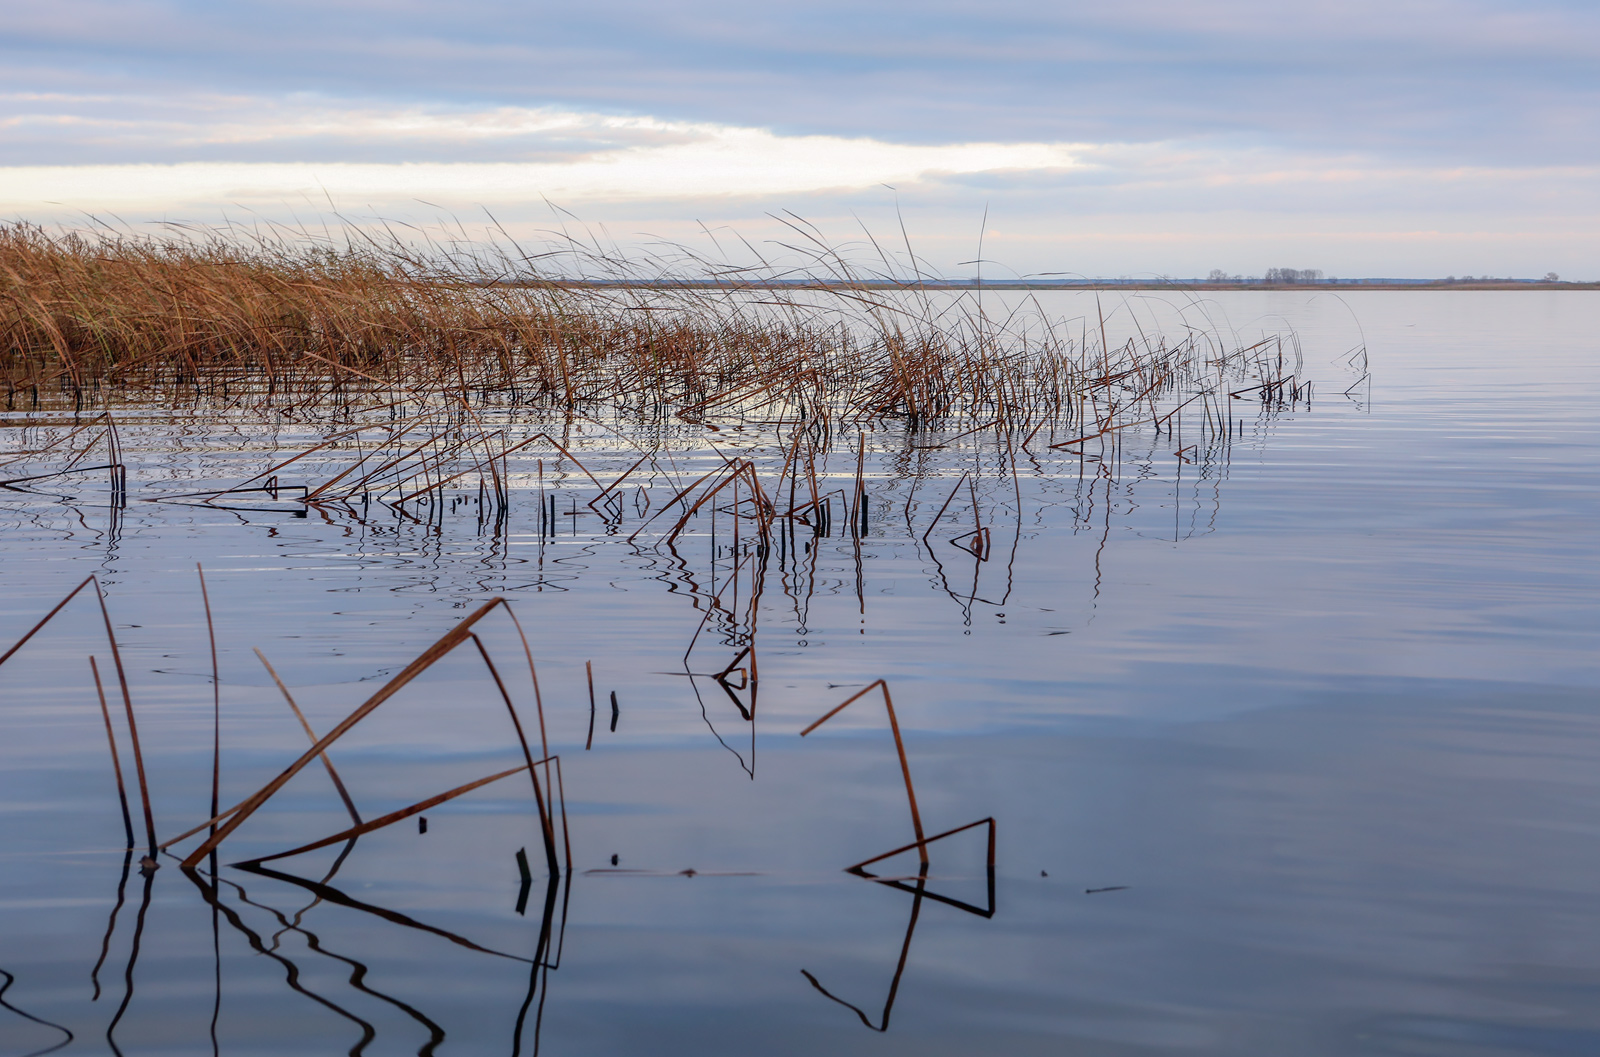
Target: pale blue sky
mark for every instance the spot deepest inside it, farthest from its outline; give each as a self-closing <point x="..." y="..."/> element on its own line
<point x="1364" y="138"/>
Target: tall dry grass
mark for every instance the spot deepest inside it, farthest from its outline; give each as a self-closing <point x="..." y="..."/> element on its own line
<point x="96" y="318"/>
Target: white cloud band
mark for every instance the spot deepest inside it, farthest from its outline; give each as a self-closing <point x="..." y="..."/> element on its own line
<point x="582" y="157"/>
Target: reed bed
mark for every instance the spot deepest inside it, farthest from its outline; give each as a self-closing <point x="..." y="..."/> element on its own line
<point x="415" y="361"/>
<point x="91" y="320"/>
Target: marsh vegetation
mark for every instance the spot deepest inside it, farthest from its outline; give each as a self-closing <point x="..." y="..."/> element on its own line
<point x="757" y="468"/>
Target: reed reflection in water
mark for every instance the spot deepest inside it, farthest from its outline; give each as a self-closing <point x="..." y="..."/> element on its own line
<point x="1325" y="772"/>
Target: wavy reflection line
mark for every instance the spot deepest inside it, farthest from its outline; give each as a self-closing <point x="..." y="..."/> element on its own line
<point x="11" y="979"/>
<point x="291" y="970"/>
<point x="748" y="768"/>
<point x="539" y="973"/>
<point x="133" y="960"/>
<point x="216" y="964"/>
<point x="111" y="923"/>
<point x="333" y="895"/>
<point x="921" y="843"/>
<point x="344" y="853"/>
<point x="358" y="969"/>
<point x="899" y="969"/>
<point x="732" y="637"/>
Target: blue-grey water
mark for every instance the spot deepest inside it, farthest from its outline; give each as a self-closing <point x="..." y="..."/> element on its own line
<point x="1292" y="743"/>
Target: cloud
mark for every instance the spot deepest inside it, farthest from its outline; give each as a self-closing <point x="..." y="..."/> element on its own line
<point x="591" y="157"/>
<point x="1172" y="207"/>
<point x="1460" y="125"/>
<point x="46" y="128"/>
<point x="1479" y="82"/>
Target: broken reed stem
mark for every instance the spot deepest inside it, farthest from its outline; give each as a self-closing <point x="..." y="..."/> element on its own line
<point x="561" y="793"/>
<point x="559" y="447"/>
<point x="588" y="668"/>
<point x="111" y="740"/>
<point x="946" y="506"/>
<point x="855" y="499"/>
<point x="133" y="724"/>
<point x="441" y="648"/>
<point x="87" y="580"/>
<point x="297" y="457"/>
<point x="212" y="821"/>
<point x="216" y="696"/>
<point x="612" y="486"/>
<point x="446" y="643"/>
<point x="545" y="821"/>
<point x="393" y="816"/>
<point x="857" y="868"/>
<point x="489" y="462"/>
<point x="533" y="674"/>
<point x="344" y="795"/>
<point x="899" y="745"/>
<point x="675" y="499"/>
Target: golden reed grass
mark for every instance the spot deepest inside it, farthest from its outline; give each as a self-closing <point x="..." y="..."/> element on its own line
<point x="96" y="319"/>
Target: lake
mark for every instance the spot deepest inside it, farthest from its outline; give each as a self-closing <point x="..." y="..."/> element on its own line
<point x="1286" y="743"/>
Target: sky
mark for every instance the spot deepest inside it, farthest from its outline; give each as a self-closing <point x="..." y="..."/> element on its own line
<point x="1414" y="138"/>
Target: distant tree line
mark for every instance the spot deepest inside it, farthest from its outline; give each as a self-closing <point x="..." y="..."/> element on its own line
<point x="1291" y="276"/>
<point x="1304" y="276"/>
<point x="1549" y="277"/>
<point x="1274" y="277"/>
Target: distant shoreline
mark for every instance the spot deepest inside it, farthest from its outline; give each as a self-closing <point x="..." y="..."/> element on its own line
<point x="1037" y="286"/>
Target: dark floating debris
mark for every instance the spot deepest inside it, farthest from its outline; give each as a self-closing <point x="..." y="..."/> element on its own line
<point x="691" y="872"/>
<point x="526" y="885"/>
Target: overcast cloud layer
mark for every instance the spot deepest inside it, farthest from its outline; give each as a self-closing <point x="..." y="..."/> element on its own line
<point x="1364" y="138"/>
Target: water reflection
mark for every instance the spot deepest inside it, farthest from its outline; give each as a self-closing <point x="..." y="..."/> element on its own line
<point x="746" y="535"/>
<point x="6" y="986"/>
<point x="918" y="888"/>
<point x="228" y="900"/>
<point x="1290" y="698"/>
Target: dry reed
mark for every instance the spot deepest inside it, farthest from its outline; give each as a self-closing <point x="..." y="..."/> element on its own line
<point x="921" y="843"/>
<point x="99" y="319"/>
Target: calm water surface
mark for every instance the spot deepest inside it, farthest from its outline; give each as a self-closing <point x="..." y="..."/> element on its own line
<point x="1292" y="744"/>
